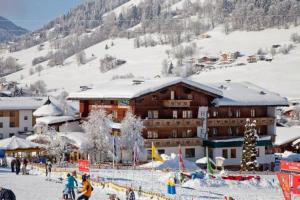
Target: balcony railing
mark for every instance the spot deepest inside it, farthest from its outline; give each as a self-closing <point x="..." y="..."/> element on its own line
<point x="214" y="122"/>
<point x="177" y="103"/>
<point x="173" y="122"/>
<point x="173" y="142"/>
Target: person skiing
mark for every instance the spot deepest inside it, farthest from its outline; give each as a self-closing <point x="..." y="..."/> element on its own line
<point x="71" y="184"/>
<point x="86" y="190"/>
<point x="131" y="195"/>
<point x="6" y="194"/>
<point x="12" y="165"/>
<point x="18" y="166"/>
<point x="66" y="191"/>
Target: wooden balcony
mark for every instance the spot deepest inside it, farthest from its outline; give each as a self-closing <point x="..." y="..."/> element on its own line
<point x="177" y="103"/>
<point x="215" y="122"/>
<point x="157" y="123"/>
<point x="173" y="142"/>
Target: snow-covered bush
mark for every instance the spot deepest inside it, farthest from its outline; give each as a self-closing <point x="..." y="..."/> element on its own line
<point x="40" y="59"/>
<point x="39" y="87"/>
<point x="295" y="37"/>
<point x="81" y="58"/>
<point x="38" y="69"/>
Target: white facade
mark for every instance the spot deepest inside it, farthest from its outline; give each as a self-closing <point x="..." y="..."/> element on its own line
<point x="262" y="158"/>
<point x="25" y="124"/>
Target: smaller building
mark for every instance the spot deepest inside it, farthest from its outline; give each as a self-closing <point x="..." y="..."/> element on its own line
<point x="16" y="115"/>
<point x="286" y="138"/>
<point x="252" y="59"/>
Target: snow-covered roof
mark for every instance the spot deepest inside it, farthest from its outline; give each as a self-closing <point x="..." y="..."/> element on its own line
<point x="286" y="134"/>
<point x="14" y="143"/>
<point x="21" y="103"/>
<point x="79" y="138"/>
<point x="227" y="93"/>
<point x="126" y="89"/>
<point x="48" y="110"/>
<point x="245" y="93"/>
<point x="54" y="119"/>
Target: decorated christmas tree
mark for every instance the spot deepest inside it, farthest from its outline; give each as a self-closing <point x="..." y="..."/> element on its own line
<point x="248" y="162"/>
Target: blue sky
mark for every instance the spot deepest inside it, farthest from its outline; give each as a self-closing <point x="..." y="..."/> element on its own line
<point x="33" y="14"/>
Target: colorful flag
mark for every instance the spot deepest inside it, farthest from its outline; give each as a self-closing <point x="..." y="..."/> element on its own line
<point x="155" y="155"/>
<point x="180" y="159"/>
<point x="284" y="180"/>
<point x="296" y="184"/>
<point x="209" y="167"/>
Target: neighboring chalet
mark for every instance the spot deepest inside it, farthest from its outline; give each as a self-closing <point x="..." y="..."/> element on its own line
<point x="16" y="115"/>
<point x="191" y="114"/>
<point x="287" y="139"/>
<point x="54" y="114"/>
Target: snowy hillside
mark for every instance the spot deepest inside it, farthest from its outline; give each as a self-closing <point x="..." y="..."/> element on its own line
<point x="281" y="75"/>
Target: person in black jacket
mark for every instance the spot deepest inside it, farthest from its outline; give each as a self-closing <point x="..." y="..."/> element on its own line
<point x="12" y="165"/>
<point x="6" y="194"/>
<point x="18" y="166"/>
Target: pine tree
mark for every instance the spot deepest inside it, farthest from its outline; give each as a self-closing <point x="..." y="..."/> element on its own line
<point x="248" y="162"/>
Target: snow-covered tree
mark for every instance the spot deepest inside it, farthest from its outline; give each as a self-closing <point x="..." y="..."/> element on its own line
<point x="248" y="162"/>
<point x="131" y="134"/>
<point x="38" y="69"/>
<point x="81" y="58"/>
<point x="98" y="132"/>
<point x="39" y="87"/>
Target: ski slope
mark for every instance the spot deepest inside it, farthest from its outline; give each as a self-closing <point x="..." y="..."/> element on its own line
<point x="281" y="75"/>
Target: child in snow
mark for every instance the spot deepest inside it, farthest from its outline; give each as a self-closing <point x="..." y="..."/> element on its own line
<point x="66" y="191"/>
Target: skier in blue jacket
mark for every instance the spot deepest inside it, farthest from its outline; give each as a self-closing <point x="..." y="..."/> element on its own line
<point x="71" y="184"/>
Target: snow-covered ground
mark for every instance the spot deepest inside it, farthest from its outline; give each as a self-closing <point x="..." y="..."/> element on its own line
<point x="281" y="75"/>
<point x="35" y="187"/>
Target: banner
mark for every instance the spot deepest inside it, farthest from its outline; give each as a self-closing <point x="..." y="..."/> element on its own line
<point x="284" y="180"/>
<point x="83" y="165"/>
<point x="296" y="184"/>
<point x="289" y="166"/>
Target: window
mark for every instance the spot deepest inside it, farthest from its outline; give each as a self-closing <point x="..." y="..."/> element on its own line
<point x="172" y="95"/>
<point x="1" y="113"/>
<point x="230" y="131"/>
<point x="1" y="124"/>
<point x="268" y="150"/>
<point x="237" y="130"/>
<point x="11" y="113"/>
<point x="189" y="133"/>
<point x="215" y="113"/>
<point x="184" y="114"/>
<point x="257" y="152"/>
<point x="190" y="97"/>
<point x="175" y="114"/>
<point x="115" y="114"/>
<point x="11" y="134"/>
<point x="232" y="153"/>
<point x="25" y="129"/>
<point x="225" y="153"/>
<point x="202" y="114"/>
<point x="238" y="113"/>
<point x="229" y="113"/>
<point x="152" y="114"/>
<point x="214" y="131"/>
<point x="184" y="134"/>
<point x="1" y="136"/>
<point x="252" y="112"/>
<point x="154" y="97"/>
<point x="160" y="151"/>
<point x="152" y="134"/>
<point x="258" y="130"/>
<point x="190" y="153"/>
<point x="12" y="124"/>
<point x="190" y="114"/>
<point x="25" y="117"/>
<point x="149" y="154"/>
<point x="174" y="133"/>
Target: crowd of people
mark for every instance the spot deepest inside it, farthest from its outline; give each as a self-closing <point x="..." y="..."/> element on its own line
<point x="17" y="165"/>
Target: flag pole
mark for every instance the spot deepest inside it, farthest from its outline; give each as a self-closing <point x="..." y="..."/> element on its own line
<point x="114" y="157"/>
<point x="152" y="167"/>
